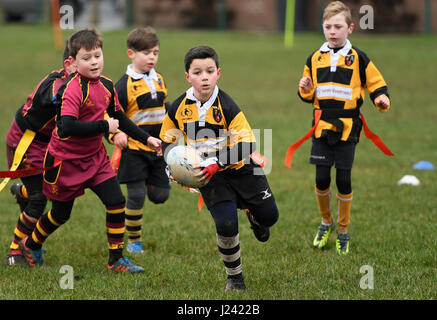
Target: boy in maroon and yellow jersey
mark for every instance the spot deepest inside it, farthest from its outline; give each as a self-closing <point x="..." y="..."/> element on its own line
<point x="36" y="116"/>
<point x="77" y="153"/>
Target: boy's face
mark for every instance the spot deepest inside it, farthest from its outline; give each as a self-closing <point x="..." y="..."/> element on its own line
<point x="144" y="61"/>
<point x="89" y="63"/>
<point x="203" y="75"/>
<point x="336" y="30"/>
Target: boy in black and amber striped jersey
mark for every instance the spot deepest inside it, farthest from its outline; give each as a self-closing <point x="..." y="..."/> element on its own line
<point x="142" y="94"/>
<point x="211" y="122"/>
<point x="334" y="81"/>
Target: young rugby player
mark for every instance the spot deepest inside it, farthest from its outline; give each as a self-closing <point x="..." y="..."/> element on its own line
<point x="142" y="93"/>
<point x="77" y="153"/>
<point x="212" y="123"/>
<point x="334" y="79"/>
<point x="35" y="121"/>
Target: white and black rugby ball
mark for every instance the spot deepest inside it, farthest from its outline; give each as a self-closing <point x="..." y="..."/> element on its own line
<point x="181" y="161"/>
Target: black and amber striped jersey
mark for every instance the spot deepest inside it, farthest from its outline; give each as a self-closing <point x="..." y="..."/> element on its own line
<point x="213" y="127"/>
<point x="142" y="97"/>
<point x="340" y="78"/>
<point x="38" y="114"/>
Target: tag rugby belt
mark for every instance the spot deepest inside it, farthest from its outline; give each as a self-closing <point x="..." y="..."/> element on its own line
<point x="335" y="114"/>
<point x="13" y="173"/>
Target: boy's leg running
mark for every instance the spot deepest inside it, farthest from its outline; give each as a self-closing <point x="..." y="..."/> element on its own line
<point x="49" y="223"/>
<point x="33" y="210"/>
<point x="110" y="194"/>
<point x="46" y="225"/>
<point x="136" y="194"/>
<point x="226" y="223"/>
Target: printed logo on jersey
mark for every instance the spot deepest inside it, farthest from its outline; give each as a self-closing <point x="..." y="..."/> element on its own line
<point x="186" y="113"/>
<point x="321" y="59"/>
<point x="107" y="99"/>
<point x="349" y="60"/>
<point x="217" y="114"/>
<point x="89" y="103"/>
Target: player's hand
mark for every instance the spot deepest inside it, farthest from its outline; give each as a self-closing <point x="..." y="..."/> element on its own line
<point x="167" y="171"/>
<point x="155" y="144"/>
<point x="382" y="101"/>
<point x="120" y="140"/>
<point x="113" y="125"/>
<point x="306" y="84"/>
<point x="210" y="168"/>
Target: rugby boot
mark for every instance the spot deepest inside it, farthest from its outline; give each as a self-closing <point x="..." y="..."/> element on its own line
<point x="125" y="265"/>
<point x="322" y="236"/>
<point x="15" y="257"/>
<point x="235" y="284"/>
<point x="32" y="257"/>
<point x="343" y="244"/>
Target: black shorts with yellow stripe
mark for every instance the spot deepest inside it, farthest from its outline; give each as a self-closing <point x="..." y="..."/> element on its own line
<point x="247" y="187"/>
<point x="138" y="165"/>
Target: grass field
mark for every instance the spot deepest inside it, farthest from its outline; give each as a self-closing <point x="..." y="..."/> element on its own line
<point x="393" y="228"/>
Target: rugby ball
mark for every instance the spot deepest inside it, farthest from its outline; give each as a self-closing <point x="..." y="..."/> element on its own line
<point x="181" y="161"/>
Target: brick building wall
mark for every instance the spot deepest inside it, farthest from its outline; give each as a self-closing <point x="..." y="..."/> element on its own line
<point x="268" y="15"/>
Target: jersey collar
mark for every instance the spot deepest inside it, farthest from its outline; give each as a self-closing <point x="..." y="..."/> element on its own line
<point x="334" y="55"/>
<point x="137" y="76"/>
<point x="202" y="108"/>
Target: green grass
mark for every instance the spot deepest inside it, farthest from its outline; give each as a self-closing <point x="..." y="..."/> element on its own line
<point x="393" y="228"/>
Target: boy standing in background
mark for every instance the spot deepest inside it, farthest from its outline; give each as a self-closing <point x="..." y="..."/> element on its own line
<point x="142" y="94"/>
<point x="334" y="79"/>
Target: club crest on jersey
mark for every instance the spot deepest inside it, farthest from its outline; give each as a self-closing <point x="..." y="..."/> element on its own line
<point x="349" y="60"/>
<point x="217" y="114"/>
<point x="186" y="113"/>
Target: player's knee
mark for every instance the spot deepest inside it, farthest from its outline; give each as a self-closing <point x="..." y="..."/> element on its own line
<point x="343" y="181"/>
<point x="136" y="194"/>
<point x="344" y="186"/>
<point x="323" y="183"/>
<point x="266" y="215"/>
<point x="157" y="195"/>
<point x="36" y="205"/>
<point x="225" y="218"/>
<point x="226" y="227"/>
<point x="116" y="201"/>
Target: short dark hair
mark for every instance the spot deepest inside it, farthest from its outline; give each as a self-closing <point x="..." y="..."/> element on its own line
<point x="66" y="53"/>
<point x="200" y="52"/>
<point x="87" y="39"/>
<point x="142" y="38"/>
